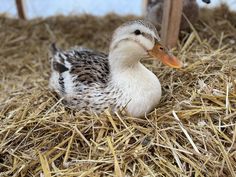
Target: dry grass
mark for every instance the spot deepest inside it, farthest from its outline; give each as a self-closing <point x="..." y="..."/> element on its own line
<point x="191" y="133"/>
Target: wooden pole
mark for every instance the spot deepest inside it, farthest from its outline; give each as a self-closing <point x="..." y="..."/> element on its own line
<point x="172" y="13"/>
<point x="20" y="9"/>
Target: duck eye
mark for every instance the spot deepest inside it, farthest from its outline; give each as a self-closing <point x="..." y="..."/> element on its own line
<point x="137" y="32"/>
<point x="161" y="48"/>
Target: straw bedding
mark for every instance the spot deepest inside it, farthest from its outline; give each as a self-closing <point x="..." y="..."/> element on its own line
<point x="192" y="132"/>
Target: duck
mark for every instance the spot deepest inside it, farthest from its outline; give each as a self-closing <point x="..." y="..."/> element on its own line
<point x="153" y="10"/>
<point x="94" y="81"/>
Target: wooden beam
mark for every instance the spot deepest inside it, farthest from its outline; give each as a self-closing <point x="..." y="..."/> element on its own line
<point x="20" y="9"/>
<point x="172" y="13"/>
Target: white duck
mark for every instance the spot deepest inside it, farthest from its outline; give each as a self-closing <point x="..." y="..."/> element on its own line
<point x="93" y="81"/>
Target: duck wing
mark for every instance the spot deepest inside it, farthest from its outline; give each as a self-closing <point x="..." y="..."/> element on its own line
<point x="76" y="67"/>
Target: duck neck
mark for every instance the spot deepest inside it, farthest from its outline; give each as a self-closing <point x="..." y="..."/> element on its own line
<point x="120" y="62"/>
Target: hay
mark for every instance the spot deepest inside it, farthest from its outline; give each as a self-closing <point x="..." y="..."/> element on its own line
<point x="191" y="133"/>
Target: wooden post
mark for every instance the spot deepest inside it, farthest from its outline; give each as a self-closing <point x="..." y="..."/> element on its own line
<point x="144" y="7"/>
<point x="20" y="9"/>
<point x="172" y="13"/>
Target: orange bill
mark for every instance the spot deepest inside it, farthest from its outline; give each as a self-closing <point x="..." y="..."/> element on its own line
<point x="162" y="53"/>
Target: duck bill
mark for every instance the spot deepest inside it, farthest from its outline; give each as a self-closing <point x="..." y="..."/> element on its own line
<point x="161" y="53"/>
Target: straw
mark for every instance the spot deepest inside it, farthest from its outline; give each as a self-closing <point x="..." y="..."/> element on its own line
<point x="39" y="136"/>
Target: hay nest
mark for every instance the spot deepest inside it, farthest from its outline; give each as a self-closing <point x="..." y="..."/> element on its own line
<point x="191" y="133"/>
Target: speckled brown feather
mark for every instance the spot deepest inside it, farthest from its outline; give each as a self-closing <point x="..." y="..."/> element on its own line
<point x="89" y="71"/>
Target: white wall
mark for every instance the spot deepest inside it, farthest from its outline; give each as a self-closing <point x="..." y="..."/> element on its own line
<point x="44" y="8"/>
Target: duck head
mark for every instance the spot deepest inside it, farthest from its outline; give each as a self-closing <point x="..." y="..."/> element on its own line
<point x="135" y="40"/>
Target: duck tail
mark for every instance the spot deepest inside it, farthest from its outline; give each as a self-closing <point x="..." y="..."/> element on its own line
<point x="58" y="67"/>
<point x="57" y="60"/>
<point x="53" y="48"/>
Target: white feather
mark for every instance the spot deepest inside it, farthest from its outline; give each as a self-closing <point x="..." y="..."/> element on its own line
<point x="141" y="89"/>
